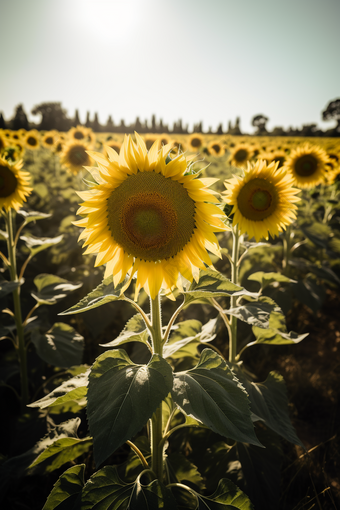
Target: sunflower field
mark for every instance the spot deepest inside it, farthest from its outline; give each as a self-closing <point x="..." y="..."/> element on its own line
<point x="170" y="330"/>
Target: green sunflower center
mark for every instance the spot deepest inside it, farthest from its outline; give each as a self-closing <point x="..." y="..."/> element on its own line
<point x="8" y="182"/>
<point x="257" y="199"/>
<point x="151" y="216"/>
<point x="306" y="165"/>
<point x="241" y="155"/>
<point x="32" y="141"/>
<point x="77" y="156"/>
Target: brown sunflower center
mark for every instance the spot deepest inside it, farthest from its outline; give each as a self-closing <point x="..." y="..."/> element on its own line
<point x="79" y="135"/>
<point x="151" y="216"/>
<point x="196" y="142"/>
<point x="114" y="147"/>
<point x="32" y="141"/>
<point x="241" y="155"/>
<point x="8" y="182"/>
<point x="49" y="140"/>
<point x="216" y="147"/>
<point x="306" y="165"/>
<point x="257" y="199"/>
<point x="77" y="156"/>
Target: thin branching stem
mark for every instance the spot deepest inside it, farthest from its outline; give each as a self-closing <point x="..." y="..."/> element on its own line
<point x="139" y="453"/>
<point x="233" y="299"/>
<point x="171" y="322"/>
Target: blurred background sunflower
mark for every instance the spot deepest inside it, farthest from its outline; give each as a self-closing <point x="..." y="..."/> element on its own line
<point x="14" y="185"/>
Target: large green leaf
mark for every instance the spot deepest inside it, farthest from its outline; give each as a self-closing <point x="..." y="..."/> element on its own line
<point x="72" y="391"/>
<point x="211" y="393"/>
<point x="182" y="470"/>
<point x="66" y="492"/>
<point x="106" y="491"/>
<point x="134" y="331"/>
<point x="256" y="313"/>
<point x="8" y="287"/>
<point x="266" y="279"/>
<point x="52" y="288"/>
<point x="38" y="244"/>
<point x="213" y="284"/>
<point x="104" y="293"/>
<point x="122" y="396"/>
<point x="61" y="346"/>
<point x="316" y="232"/>
<point x="276" y="333"/>
<point x="62" y="451"/>
<point x="269" y="402"/>
<point x="226" y="497"/>
<point x="186" y="336"/>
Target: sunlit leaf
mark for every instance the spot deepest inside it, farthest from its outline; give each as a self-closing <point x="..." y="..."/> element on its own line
<point x="186" y="336"/>
<point x="104" y="293"/>
<point x="276" y="333"/>
<point x="266" y="279"/>
<point x="62" y="451"/>
<point x="61" y="346"/>
<point x="37" y="244"/>
<point x="122" y="396"/>
<point x="52" y="288"/>
<point x="8" y="287"/>
<point x="134" y="331"/>
<point x="33" y="215"/>
<point x="66" y="492"/>
<point x="256" y="313"/>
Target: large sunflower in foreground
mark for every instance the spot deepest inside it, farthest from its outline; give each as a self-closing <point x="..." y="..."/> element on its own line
<point x="74" y="156"/>
<point x="147" y="216"/>
<point x="307" y="165"/>
<point x="14" y="185"/>
<point x="263" y="200"/>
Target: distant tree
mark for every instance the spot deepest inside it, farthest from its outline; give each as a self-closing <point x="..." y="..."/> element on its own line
<point x="76" y="121"/>
<point x="95" y="123"/>
<point x="2" y="122"/>
<point x="110" y="125"/>
<point x="19" y="120"/>
<point x="260" y="121"/>
<point x="229" y="127"/>
<point x="278" y="131"/>
<point x="138" y="125"/>
<point x="332" y="112"/>
<point x="53" y="116"/>
<point x="309" y="130"/>
<point x="236" y="130"/>
<point x="153" y="124"/>
<point x="219" y="130"/>
<point x="88" y="121"/>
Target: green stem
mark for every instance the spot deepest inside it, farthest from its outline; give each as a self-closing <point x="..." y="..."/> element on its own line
<point x="157" y="445"/>
<point x="233" y="299"/>
<point x="286" y="250"/>
<point x="21" y="348"/>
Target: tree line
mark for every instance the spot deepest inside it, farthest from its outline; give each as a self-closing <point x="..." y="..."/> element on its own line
<point x="54" y="116"/>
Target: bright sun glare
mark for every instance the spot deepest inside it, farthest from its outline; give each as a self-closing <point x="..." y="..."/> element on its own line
<point x="112" y="19"/>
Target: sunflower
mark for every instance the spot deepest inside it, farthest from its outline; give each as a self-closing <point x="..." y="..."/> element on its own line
<point x="74" y="156"/>
<point x="114" y="144"/>
<point x="3" y="141"/>
<point x="78" y="134"/>
<point x="306" y="164"/>
<point x="150" y="140"/>
<point x="49" y="139"/>
<point x="263" y="200"/>
<point x="241" y="154"/>
<point x="14" y="187"/>
<point x="32" y="140"/>
<point x="215" y="148"/>
<point x="147" y="216"/>
<point x="195" y="142"/>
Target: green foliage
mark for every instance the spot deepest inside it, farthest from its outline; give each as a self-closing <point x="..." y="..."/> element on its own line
<point x="61" y="346"/>
<point x="52" y="288"/>
<point x="186" y="336"/>
<point x="211" y="393"/>
<point x="122" y="396"/>
<point x="66" y="491"/>
<point x="276" y="333"/>
<point x="256" y="313"/>
<point x="38" y="244"/>
<point x="62" y="451"/>
<point x="8" y="287"/>
<point x="134" y="331"/>
<point x="104" y="293"/>
<point x="267" y="278"/>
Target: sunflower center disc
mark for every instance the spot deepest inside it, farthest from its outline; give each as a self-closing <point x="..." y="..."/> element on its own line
<point x="78" y="156"/>
<point x="257" y="199"/>
<point x="196" y="142"/>
<point x="241" y="155"/>
<point x="32" y="141"/>
<point x="78" y="135"/>
<point x="151" y="216"/>
<point x="8" y="182"/>
<point x="306" y="166"/>
<point x="261" y="200"/>
<point x="216" y="148"/>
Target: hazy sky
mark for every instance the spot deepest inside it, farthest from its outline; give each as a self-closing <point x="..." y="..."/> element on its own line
<point x="209" y="60"/>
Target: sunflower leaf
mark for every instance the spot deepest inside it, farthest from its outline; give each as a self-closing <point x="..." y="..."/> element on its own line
<point x="256" y="313"/>
<point x="106" y="490"/>
<point x="122" y="396"/>
<point x="226" y="497"/>
<point x="317" y="233"/>
<point x="8" y="287"/>
<point x="266" y="279"/>
<point x="212" y="394"/>
<point x="134" y="331"/>
<point x="104" y="293"/>
<point x="276" y="333"/>
<point x="61" y="346"/>
<point x="62" y="451"/>
<point x="186" y="336"/>
<point x="33" y="215"/>
<point x="52" y="288"/>
<point x="38" y="244"/>
<point x="66" y="492"/>
<point x="213" y="284"/>
<point x="73" y="390"/>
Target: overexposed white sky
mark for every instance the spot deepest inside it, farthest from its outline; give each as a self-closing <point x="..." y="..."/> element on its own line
<point x="209" y="60"/>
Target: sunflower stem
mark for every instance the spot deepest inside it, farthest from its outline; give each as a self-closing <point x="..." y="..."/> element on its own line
<point x="20" y="345"/>
<point x="157" y="444"/>
<point x="233" y="299"/>
<point x="286" y="250"/>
